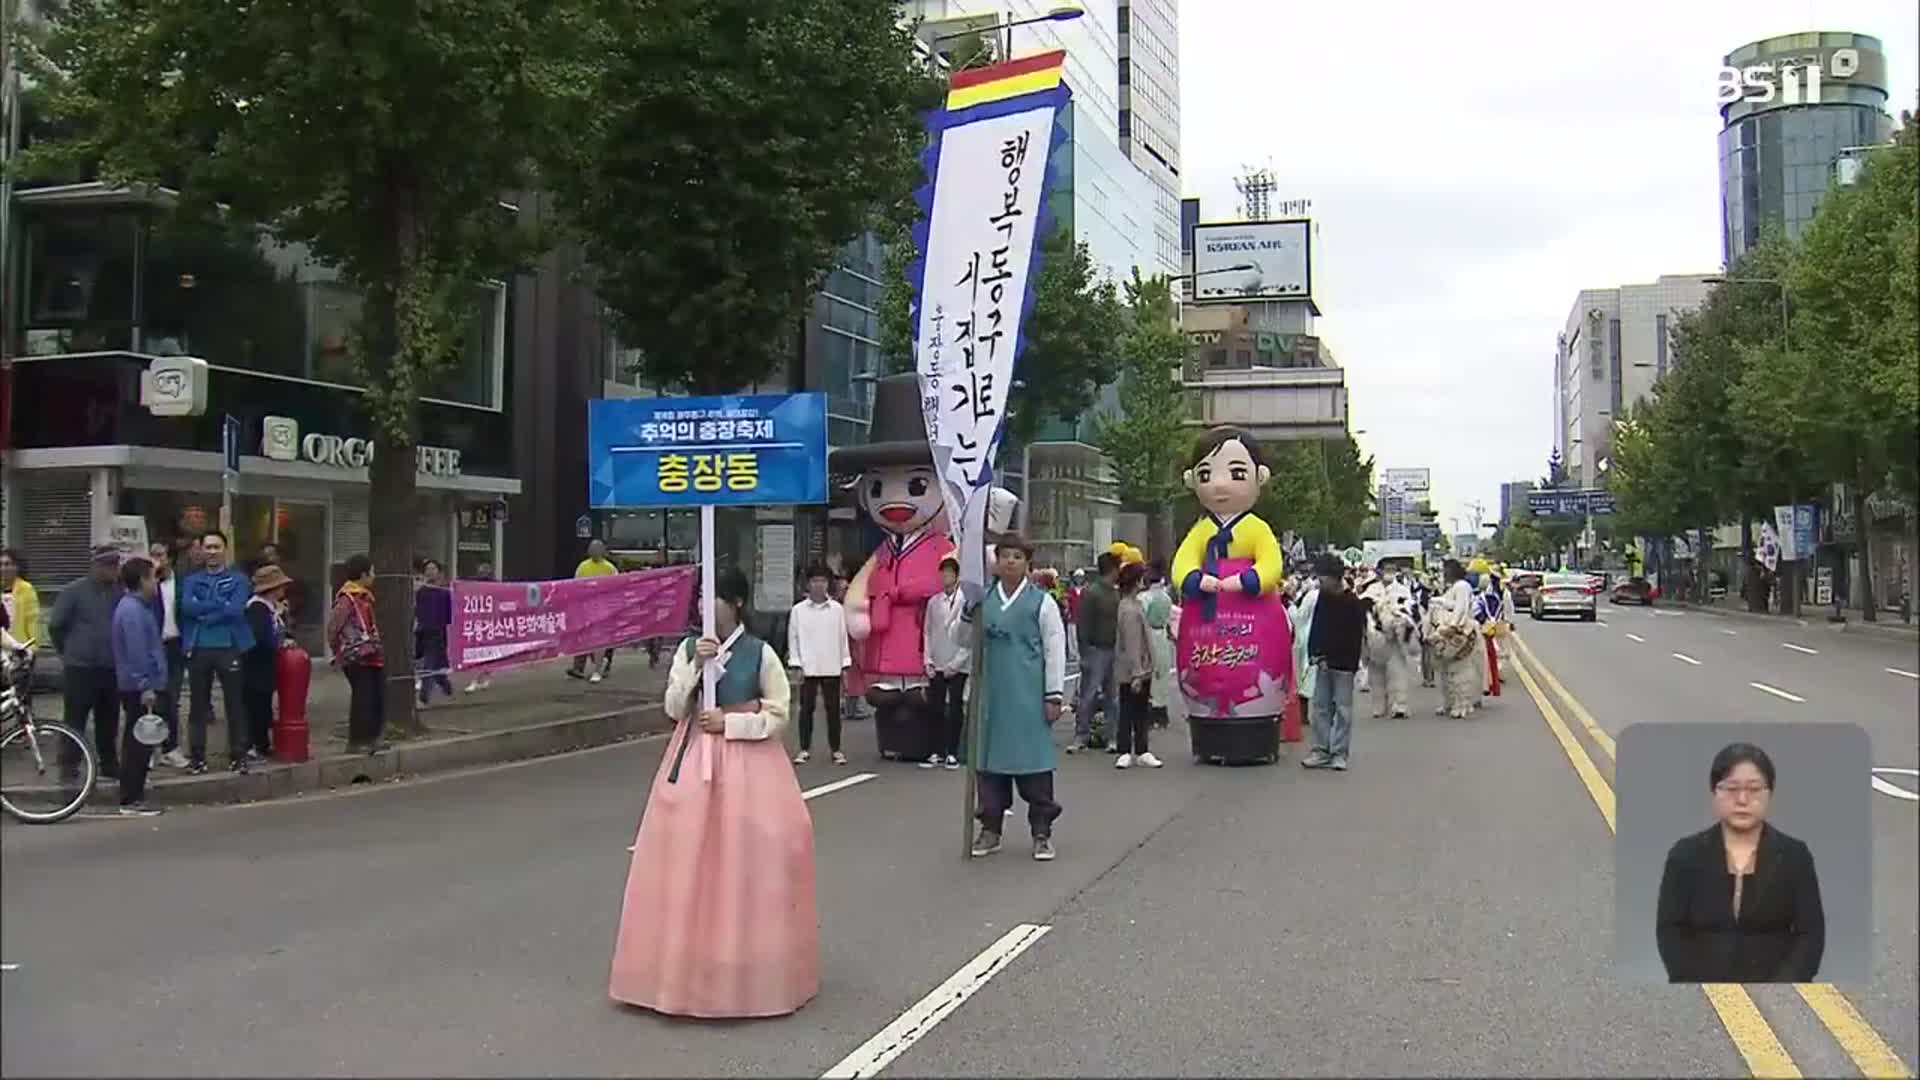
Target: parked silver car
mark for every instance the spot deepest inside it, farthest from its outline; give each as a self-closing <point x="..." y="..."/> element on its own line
<point x="1567" y="594"/>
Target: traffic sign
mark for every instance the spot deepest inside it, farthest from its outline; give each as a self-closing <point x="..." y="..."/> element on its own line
<point x="1562" y="502"/>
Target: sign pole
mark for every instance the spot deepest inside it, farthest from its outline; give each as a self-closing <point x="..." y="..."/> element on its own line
<point x="976" y="683"/>
<point x="709" y="677"/>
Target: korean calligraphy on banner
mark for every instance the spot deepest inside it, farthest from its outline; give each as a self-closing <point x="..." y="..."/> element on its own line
<point x="977" y="245"/>
<point x="724" y="451"/>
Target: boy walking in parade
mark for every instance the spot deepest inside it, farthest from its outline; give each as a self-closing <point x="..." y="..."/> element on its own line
<point x="948" y="650"/>
<point x="817" y="651"/>
<point x="1333" y="648"/>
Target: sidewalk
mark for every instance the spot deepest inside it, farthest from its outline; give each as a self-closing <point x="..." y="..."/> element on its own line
<point x="1889" y="626"/>
<point x="530" y="712"/>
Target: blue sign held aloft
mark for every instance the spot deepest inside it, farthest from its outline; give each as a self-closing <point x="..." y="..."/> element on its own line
<point x="750" y="450"/>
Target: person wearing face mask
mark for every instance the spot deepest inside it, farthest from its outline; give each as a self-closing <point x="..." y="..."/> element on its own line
<point x="1740" y="900"/>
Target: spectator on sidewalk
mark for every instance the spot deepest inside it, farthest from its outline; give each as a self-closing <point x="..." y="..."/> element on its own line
<point x="214" y="601"/>
<point x="817" y="651"/>
<point x="1333" y="648"/>
<point x="1097" y="616"/>
<point x="949" y="652"/>
<point x="483" y="572"/>
<point x="596" y="564"/>
<point x="355" y="640"/>
<point x="140" y="676"/>
<point x="432" y="615"/>
<point x="166" y="612"/>
<point x="20" y="603"/>
<point x="267" y="618"/>
<point x="82" y="629"/>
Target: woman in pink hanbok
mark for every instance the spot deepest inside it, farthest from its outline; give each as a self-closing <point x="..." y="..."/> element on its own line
<point x="720" y="918"/>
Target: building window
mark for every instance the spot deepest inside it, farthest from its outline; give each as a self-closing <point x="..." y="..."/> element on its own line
<point x="1613" y="364"/>
<point x="80" y="274"/>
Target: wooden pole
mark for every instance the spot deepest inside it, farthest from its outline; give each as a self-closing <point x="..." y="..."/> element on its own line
<point x="976" y="681"/>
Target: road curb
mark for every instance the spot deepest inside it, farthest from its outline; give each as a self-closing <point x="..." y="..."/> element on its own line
<point x="1889" y="631"/>
<point x="276" y="781"/>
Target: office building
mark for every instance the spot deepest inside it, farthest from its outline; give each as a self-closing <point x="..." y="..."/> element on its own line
<point x="1804" y="102"/>
<point x="1149" y="39"/>
<point x="1617" y="343"/>
<point x="1513" y="500"/>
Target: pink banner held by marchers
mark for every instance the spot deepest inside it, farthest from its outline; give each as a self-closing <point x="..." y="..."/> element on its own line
<point x="508" y="623"/>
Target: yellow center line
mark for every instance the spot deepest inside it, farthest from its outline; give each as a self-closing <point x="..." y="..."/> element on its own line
<point x="1741" y="1018"/>
<point x="1863" y="1044"/>
<point x="1738" y="1014"/>
<point x="1594" y="730"/>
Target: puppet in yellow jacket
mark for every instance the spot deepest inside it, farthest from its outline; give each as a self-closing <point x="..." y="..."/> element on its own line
<point x="1235" y="651"/>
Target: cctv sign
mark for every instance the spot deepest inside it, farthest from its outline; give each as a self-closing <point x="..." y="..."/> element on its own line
<point x="1786" y="81"/>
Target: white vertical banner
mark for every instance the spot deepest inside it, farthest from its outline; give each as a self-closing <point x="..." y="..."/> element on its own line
<point x="977" y="247"/>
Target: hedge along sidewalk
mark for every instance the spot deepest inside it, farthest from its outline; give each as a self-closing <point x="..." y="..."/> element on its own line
<point x="526" y="713"/>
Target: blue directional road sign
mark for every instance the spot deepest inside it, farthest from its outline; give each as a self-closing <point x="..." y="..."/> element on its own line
<point x="1570" y="502"/>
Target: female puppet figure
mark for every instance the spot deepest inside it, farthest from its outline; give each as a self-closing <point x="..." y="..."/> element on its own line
<point x="1235" y="646"/>
<point x="719" y="919"/>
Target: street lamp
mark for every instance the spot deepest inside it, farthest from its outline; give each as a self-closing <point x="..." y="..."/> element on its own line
<point x="1063" y="13"/>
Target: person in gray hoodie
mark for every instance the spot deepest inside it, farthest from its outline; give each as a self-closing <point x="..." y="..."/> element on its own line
<point x="81" y="626"/>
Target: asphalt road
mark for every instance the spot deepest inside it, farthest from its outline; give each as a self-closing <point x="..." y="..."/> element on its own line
<point x="1444" y="908"/>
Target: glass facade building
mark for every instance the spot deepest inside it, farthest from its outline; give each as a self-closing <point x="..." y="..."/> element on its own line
<point x="1776" y="157"/>
<point x="1150" y="114"/>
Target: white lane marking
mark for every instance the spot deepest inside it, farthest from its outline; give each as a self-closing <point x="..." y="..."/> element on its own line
<point x="914" y="1024"/>
<point x="1685" y="659"/>
<point x="1636" y="637"/>
<point x="1731" y="633"/>
<point x="1895" y="790"/>
<point x="1906" y="674"/>
<point x="838" y="785"/>
<point x="9" y="967"/>
<point x="823" y="789"/>
<point x="1799" y="648"/>
<point x="1600" y="624"/>
<point x="1777" y="692"/>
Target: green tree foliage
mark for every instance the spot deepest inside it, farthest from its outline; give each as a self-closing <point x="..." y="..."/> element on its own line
<point x="1519" y="542"/>
<point x="379" y="136"/>
<point x="735" y="146"/>
<point x="1145" y="437"/>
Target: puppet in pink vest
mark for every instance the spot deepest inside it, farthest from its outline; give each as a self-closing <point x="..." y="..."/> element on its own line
<point x="887" y="599"/>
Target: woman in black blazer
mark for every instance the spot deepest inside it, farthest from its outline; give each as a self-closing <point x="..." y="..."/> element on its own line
<point x="1740" y="900"/>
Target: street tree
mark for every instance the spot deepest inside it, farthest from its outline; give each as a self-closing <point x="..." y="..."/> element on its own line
<point x="1145" y="437"/>
<point x="381" y="138"/>
<point x="1845" y="401"/>
<point x="735" y="146"/>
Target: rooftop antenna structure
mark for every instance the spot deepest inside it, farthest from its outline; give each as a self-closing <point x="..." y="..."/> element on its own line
<point x="1256" y="187"/>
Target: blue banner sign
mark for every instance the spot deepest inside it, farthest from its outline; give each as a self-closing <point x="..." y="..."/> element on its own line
<point x="1570" y="502"/>
<point x="754" y="450"/>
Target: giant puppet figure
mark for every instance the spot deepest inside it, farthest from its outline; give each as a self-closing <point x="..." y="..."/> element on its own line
<point x="1234" y="654"/>
<point x="886" y="601"/>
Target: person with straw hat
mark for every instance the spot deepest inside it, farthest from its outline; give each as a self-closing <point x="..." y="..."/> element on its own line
<point x="267" y="617"/>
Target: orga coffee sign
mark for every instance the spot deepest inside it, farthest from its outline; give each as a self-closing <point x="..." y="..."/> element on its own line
<point x="280" y="440"/>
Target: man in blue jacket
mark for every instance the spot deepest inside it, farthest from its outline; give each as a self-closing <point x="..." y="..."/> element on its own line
<point x="214" y="634"/>
<point x="140" y="671"/>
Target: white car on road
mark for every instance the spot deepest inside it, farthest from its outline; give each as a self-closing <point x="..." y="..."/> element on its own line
<point x="1567" y="594"/>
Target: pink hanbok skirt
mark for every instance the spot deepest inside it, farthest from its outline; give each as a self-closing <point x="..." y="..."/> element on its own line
<point x="720" y="918"/>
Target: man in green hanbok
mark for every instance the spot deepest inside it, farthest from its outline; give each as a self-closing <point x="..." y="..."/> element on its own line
<point x="1023" y="680"/>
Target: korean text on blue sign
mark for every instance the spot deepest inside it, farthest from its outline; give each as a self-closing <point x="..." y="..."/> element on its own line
<point x="1562" y="502"/>
<point x="757" y="450"/>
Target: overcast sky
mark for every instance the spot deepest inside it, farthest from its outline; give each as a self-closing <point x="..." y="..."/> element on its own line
<point x="1473" y="167"/>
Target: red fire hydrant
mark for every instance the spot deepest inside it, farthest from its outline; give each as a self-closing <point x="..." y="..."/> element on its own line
<point x="292" y="674"/>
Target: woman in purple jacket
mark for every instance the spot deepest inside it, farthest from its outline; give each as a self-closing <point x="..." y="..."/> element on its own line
<point x="432" y="615"/>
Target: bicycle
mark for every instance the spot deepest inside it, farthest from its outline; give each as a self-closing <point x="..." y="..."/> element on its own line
<point x="35" y="753"/>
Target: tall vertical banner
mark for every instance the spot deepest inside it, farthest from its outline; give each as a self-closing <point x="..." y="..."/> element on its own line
<point x="983" y="215"/>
